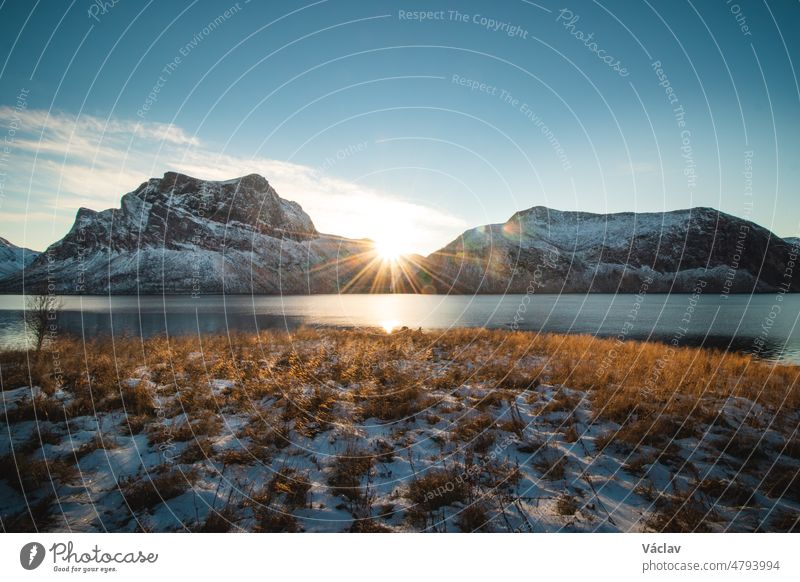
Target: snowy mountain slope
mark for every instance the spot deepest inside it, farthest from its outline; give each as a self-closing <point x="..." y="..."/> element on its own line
<point x="178" y="234"/>
<point x="556" y="251"/>
<point x="181" y="235"/>
<point x="13" y="258"/>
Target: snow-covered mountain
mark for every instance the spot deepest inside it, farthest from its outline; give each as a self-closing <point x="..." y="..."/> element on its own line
<point x="13" y="258"/>
<point x="182" y="235"/>
<point x="179" y="234"/>
<point x="554" y="251"/>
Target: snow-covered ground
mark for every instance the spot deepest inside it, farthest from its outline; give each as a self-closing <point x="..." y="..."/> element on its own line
<point x="453" y="456"/>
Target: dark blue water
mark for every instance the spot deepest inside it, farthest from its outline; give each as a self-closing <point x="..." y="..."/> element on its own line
<point x="763" y="324"/>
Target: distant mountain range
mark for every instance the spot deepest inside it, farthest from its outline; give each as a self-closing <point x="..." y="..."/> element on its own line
<point x="576" y="252"/>
<point x="13" y="258"/>
<point x="182" y="235"/>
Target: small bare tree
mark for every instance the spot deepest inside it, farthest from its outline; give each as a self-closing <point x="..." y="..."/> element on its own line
<point x="41" y="314"/>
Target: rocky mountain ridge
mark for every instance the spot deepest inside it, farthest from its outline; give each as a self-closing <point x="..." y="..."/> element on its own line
<point x="183" y="235"/>
<point x="574" y="252"/>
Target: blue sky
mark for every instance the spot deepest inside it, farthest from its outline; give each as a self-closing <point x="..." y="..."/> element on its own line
<point x="374" y="120"/>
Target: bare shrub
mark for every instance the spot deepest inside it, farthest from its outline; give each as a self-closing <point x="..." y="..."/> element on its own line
<point x="41" y="313"/>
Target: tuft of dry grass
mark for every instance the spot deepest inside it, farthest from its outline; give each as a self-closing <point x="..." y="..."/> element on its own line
<point x="292" y="487"/>
<point x="98" y="442"/>
<point x="28" y="475"/>
<point x="221" y="521"/>
<point x="349" y="469"/>
<point x="274" y="503"/>
<point x="269" y="520"/>
<point x="438" y="488"/>
<point x="566" y="504"/>
<point x="196" y="451"/>
<point x="39" y="516"/>
<point x="396" y="399"/>
<point x="782" y="482"/>
<point x="730" y="493"/>
<point x="475" y="432"/>
<point x="681" y="512"/>
<point x="550" y="463"/>
<point x="162" y="484"/>
<point x="474" y="518"/>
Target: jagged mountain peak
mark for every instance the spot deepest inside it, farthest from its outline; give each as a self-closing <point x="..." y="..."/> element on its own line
<point x="178" y="210"/>
<point x="178" y="182"/>
<point x="178" y="232"/>
<point x="176" y="190"/>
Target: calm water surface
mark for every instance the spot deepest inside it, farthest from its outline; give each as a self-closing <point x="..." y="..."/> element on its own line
<point x="735" y="322"/>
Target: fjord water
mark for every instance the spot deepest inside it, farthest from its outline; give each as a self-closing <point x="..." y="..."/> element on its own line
<point x="737" y="322"/>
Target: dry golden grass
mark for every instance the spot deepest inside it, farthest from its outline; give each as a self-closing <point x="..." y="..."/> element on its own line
<point x="292" y="487"/>
<point x="196" y="450"/>
<point x="574" y="361"/>
<point x="276" y="363"/>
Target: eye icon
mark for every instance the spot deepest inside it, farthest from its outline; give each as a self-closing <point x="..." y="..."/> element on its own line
<point x="31" y="555"/>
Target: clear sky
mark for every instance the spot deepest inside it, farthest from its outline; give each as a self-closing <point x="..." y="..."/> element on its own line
<point x="376" y="120"/>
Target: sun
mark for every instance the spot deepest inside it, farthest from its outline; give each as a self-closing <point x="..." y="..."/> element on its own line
<point x="389" y="247"/>
<point x="390" y="325"/>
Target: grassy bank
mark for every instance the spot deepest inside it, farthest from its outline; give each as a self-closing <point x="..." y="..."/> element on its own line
<point x="358" y="430"/>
